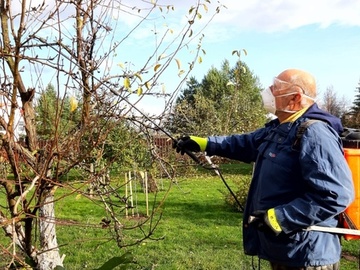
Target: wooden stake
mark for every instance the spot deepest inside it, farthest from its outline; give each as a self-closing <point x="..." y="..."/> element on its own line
<point x="131" y="195"/>
<point x="126" y="195"/>
<point x="146" y="194"/>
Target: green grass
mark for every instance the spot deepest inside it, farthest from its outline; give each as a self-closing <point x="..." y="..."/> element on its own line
<point x="197" y="229"/>
<point x="200" y="231"/>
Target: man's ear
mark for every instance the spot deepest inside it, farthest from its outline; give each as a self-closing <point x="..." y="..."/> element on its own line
<point x="296" y="99"/>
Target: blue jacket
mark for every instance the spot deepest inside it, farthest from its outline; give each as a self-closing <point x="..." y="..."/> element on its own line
<point x="307" y="186"/>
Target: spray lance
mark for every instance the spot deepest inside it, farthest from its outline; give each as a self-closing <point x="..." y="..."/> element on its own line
<point x="216" y="169"/>
<point x="218" y="172"/>
<point x="211" y="166"/>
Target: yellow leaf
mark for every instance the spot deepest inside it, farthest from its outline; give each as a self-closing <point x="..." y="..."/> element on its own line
<point x="147" y="85"/>
<point x="205" y="7"/>
<point x="121" y="65"/>
<point x="200" y="60"/>
<point x="80" y="23"/>
<point x="127" y="83"/>
<point x="157" y="67"/>
<point x="245" y="52"/>
<point x="139" y="91"/>
<point x="73" y="104"/>
<point x="161" y="56"/>
<point x="199" y="16"/>
<point x="78" y="197"/>
<point x="180" y="72"/>
<point x="230" y="83"/>
<point x="138" y="76"/>
<point x="178" y="63"/>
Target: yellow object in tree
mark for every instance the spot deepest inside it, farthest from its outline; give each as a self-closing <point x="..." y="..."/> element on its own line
<point x="73" y="104"/>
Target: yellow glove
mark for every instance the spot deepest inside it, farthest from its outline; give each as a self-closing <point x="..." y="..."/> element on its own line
<point x="264" y="220"/>
<point x="190" y="143"/>
<point x="272" y="222"/>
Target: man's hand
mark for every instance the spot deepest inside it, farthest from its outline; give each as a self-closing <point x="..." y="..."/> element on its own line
<point x="190" y="143"/>
<point x="265" y="221"/>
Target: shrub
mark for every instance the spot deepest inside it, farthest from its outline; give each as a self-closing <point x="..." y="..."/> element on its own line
<point x="243" y="184"/>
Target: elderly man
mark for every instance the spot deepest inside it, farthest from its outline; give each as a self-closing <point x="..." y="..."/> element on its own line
<point x="292" y="187"/>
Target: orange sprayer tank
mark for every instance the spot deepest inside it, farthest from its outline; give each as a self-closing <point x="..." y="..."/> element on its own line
<point x="351" y="144"/>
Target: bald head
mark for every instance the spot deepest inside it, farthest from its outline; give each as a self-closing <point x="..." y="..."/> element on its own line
<point x="300" y="78"/>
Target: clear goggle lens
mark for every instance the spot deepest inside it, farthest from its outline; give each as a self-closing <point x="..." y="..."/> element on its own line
<point x="280" y="85"/>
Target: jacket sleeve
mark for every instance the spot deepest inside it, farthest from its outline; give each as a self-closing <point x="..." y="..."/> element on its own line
<point x="328" y="179"/>
<point x="238" y="147"/>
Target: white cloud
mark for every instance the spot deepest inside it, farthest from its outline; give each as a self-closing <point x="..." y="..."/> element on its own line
<point x="280" y="15"/>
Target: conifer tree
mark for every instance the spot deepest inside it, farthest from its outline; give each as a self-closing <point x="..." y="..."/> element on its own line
<point x="226" y="101"/>
<point x="352" y="119"/>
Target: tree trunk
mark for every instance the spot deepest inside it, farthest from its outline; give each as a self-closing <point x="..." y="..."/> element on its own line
<point x="49" y="256"/>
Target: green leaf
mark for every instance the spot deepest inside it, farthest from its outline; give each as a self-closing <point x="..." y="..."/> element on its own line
<point x="124" y="262"/>
<point x="191" y="32"/>
<point x="235" y="52"/>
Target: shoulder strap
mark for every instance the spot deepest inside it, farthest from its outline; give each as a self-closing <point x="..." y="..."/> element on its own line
<point x="301" y="130"/>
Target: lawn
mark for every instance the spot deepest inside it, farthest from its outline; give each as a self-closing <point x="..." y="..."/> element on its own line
<point x="197" y="230"/>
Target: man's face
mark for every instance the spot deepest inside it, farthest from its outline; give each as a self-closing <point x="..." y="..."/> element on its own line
<point x="283" y="92"/>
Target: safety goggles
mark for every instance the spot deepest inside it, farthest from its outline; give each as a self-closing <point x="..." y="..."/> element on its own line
<point x="279" y="85"/>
